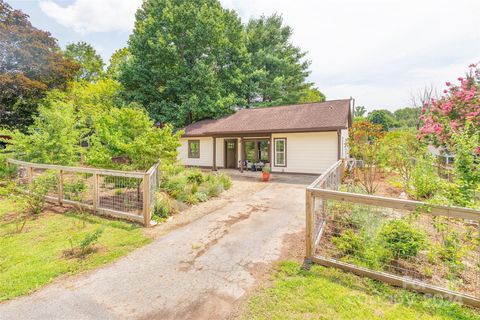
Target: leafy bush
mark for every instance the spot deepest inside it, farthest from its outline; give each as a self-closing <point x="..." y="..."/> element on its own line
<point x="362" y="249"/>
<point x="126" y="138"/>
<point x="33" y="195"/>
<point x="162" y="207"/>
<point x="192" y="185"/>
<point x="425" y="179"/>
<point x="224" y="180"/>
<point x="7" y="171"/>
<point x="201" y="196"/>
<point x="349" y="243"/>
<point x="195" y="176"/>
<point x="397" y="151"/>
<point x="213" y="189"/>
<point x="75" y="190"/>
<point x="452" y="250"/>
<point x="53" y="138"/>
<point x="89" y="240"/>
<point x="403" y="240"/>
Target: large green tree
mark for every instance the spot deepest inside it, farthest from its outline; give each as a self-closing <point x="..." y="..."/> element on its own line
<point x="91" y="63"/>
<point x="30" y="64"/>
<point x="278" y="68"/>
<point x="408" y="117"/>
<point x="118" y="59"/>
<point x="187" y="60"/>
<point x="382" y="117"/>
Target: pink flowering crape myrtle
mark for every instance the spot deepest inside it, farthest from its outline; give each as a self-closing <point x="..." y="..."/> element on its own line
<point x="459" y="104"/>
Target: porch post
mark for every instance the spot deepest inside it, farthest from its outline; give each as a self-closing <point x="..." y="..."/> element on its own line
<point x="242" y="153"/>
<point x="214" y="167"/>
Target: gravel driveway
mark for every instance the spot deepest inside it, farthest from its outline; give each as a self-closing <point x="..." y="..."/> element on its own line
<point x="201" y="270"/>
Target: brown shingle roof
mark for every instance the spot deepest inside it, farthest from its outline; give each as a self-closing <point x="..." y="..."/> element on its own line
<point x="321" y="116"/>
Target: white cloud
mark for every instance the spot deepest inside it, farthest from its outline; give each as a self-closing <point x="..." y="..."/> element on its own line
<point x="86" y="16"/>
<point x="378" y="51"/>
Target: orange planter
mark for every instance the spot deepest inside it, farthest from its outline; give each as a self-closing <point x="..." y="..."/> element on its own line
<point x="265" y="176"/>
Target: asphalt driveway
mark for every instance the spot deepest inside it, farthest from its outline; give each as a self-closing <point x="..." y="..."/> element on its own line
<point x="201" y="270"/>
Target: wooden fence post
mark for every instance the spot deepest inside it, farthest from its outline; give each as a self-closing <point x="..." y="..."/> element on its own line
<point x="146" y="200"/>
<point x="95" y="192"/>
<point x="310" y="224"/>
<point x="60" y="187"/>
<point x="29" y="174"/>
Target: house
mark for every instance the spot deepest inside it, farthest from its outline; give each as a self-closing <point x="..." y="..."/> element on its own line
<point x="301" y="138"/>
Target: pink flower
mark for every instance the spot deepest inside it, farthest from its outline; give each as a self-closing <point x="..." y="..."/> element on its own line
<point x="448" y="83"/>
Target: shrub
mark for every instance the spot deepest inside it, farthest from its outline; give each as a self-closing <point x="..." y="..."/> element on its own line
<point x="201" y="196"/>
<point x="75" y="190"/>
<point x="349" y="243"/>
<point x="53" y="138"/>
<point x="129" y="133"/>
<point x="402" y="239"/>
<point x="361" y="249"/>
<point x="7" y="171"/>
<point x="195" y="176"/>
<point x="225" y="181"/>
<point x="452" y="250"/>
<point x="191" y="199"/>
<point x="425" y="179"/>
<point x="174" y="185"/>
<point x="214" y="189"/>
<point x="33" y="195"/>
<point x="86" y="245"/>
<point x="162" y="207"/>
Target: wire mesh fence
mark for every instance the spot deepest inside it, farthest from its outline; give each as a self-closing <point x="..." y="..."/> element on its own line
<point x="122" y="194"/>
<point x="434" y="249"/>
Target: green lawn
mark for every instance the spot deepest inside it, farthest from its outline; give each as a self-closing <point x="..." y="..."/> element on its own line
<point x="328" y="293"/>
<point x="34" y="257"/>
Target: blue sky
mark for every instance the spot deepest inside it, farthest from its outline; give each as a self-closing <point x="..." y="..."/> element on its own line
<point x="378" y="51"/>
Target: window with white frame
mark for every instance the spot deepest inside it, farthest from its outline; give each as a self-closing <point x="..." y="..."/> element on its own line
<point x="280" y="151"/>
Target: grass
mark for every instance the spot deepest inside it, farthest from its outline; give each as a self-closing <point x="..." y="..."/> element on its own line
<point x="328" y="293"/>
<point x="34" y="257"/>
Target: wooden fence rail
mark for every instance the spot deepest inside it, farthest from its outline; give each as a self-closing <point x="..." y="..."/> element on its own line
<point x="323" y="194"/>
<point x="122" y="194"/>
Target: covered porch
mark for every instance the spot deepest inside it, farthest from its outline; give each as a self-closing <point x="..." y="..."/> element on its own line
<point x="245" y="153"/>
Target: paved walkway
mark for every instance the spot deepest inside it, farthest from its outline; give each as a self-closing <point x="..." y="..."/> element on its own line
<point x="202" y="270"/>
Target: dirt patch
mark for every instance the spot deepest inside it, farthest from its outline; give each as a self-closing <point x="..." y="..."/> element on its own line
<point x="219" y="232"/>
<point x="385" y="187"/>
<point x="239" y="191"/>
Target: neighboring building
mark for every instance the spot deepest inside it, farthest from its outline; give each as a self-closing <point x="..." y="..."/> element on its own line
<point x="302" y="138"/>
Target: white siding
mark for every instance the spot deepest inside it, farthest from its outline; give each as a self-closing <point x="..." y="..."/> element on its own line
<point x="344" y="147"/>
<point x="206" y="152"/>
<point x="220" y="152"/>
<point x="308" y="152"/>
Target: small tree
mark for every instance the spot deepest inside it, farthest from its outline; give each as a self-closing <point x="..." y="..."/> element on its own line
<point x="399" y="151"/>
<point x="364" y="143"/>
<point x="53" y="138"/>
<point x="452" y="122"/>
<point x="466" y="163"/>
<point x="126" y="138"/>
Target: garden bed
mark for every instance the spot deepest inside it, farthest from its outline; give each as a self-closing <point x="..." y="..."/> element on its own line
<point x="437" y="250"/>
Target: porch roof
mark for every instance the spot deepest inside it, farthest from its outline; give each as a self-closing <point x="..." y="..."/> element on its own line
<point x="308" y="117"/>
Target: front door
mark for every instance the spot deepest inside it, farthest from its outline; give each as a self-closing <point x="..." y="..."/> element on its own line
<point x="231" y="154"/>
